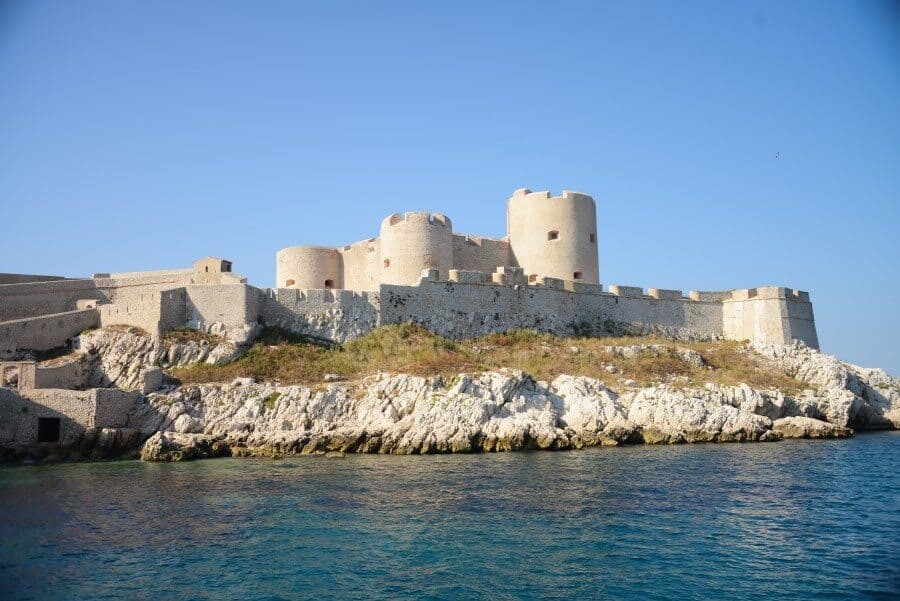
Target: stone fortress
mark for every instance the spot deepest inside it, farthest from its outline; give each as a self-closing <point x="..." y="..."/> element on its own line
<point x="543" y="276"/>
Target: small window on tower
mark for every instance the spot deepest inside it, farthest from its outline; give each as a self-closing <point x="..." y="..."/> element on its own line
<point x="593" y="238"/>
<point x="289" y="283"/>
<point x="532" y="277"/>
<point x="553" y="235"/>
<point x="329" y="283"/>
<point x="577" y="275"/>
<point x="387" y="262"/>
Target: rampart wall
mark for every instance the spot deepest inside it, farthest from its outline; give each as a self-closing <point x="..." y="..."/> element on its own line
<point x="151" y="310"/>
<point x="227" y="309"/>
<point x="22" y="278"/>
<point x="76" y="410"/>
<point x="362" y="265"/>
<point x="334" y="315"/>
<point x="45" y="332"/>
<point x="32" y="299"/>
<point x="474" y="253"/>
<point x="466" y="310"/>
<point x="770" y="314"/>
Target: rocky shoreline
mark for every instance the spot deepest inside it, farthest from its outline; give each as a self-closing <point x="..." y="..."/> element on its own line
<point x="503" y="410"/>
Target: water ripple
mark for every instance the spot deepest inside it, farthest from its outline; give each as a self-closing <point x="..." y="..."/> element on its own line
<point x="793" y="519"/>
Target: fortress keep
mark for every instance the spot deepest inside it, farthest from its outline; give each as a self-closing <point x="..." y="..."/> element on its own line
<point x="547" y="236"/>
<point x="543" y="275"/>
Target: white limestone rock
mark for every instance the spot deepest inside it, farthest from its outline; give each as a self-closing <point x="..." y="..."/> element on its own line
<point x="121" y="355"/>
<point x="844" y="394"/>
<point x="807" y="427"/>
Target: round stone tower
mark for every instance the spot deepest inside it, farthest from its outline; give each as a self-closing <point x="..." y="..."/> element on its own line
<point x="413" y="242"/>
<point x="308" y="267"/>
<point x="554" y="236"/>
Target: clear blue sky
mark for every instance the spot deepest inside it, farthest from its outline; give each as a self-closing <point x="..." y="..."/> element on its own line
<point x="727" y="144"/>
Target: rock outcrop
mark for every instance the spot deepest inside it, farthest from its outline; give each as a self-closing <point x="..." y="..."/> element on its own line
<point x="501" y="411"/>
<point x="807" y="427"/>
<point x="121" y="355"/>
<point x="845" y="394"/>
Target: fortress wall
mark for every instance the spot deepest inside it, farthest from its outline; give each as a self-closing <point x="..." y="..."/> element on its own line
<point x="71" y="374"/>
<point x="31" y="299"/>
<point x="474" y="253"/>
<point x="703" y="295"/>
<point x="151" y="310"/>
<point x="230" y="305"/>
<point x="19" y="414"/>
<point x="771" y="314"/>
<point x="677" y="318"/>
<point x="76" y="410"/>
<point x="23" y="278"/>
<point x="45" y="332"/>
<point x="335" y="315"/>
<point x="460" y="310"/>
<point x="413" y="242"/>
<point x="362" y="265"/>
<point x="112" y="406"/>
<point x="554" y="236"/>
<point x="308" y="267"/>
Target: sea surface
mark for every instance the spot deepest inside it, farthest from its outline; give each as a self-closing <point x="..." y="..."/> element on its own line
<point x="795" y="519"/>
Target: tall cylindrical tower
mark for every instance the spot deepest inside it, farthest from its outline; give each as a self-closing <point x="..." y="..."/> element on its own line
<point x="413" y="242"/>
<point x="308" y="267"/>
<point x="554" y="236"/>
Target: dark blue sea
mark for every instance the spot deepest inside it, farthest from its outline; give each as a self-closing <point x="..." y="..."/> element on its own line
<point x="796" y="519"/>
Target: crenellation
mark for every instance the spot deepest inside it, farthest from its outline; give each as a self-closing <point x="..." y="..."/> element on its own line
<point x="631" y="291"/>
<point x="659" y="293"/>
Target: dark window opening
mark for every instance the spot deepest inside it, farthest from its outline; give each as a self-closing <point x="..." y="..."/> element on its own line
<point x="553" y="235"/>
<point x="48" y="429"/>
<point x="206" y="269"/>
<point x="387" y="262"/>
<point x="289" y="283"/>
<point x="532" y="277"/>
<point x="227" y="267"/>
<point x="593" y="238"/>
<point x="577" y="275"/>
<point x="329" y="283"/>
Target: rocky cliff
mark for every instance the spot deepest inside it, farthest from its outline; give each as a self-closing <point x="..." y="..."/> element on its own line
<point x="499" y="410"/>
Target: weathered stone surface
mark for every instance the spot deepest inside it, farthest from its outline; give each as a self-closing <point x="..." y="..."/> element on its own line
<point x="807" y="427"/>
<point x="120" y="356"/>
<point x="845" y="394"/>
<point x="505" y="411"/>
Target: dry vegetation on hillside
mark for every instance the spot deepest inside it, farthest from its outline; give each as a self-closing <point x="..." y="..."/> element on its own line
<point x="281" y="357"/>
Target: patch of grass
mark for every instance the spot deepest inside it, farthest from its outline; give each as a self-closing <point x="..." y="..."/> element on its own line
<point x="184" y="335"/>
<point x="410" y="349"/>
<point x="269" y="401"/>
<point x="120" y="327"/>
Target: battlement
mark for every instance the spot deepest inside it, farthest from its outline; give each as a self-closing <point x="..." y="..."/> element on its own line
<point x="526" y="194"/>
<point x="768" y="292"/>
<point x="417" y="217"/>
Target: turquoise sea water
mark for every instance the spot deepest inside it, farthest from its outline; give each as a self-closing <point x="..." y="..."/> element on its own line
<point x="796" y="519"/>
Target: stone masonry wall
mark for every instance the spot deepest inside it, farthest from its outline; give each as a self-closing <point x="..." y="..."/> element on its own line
<point x="334" y="315"/>
<point x="46" y="332"/>
<point x="459" y="310"/>
<point x="18" y="301"/>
